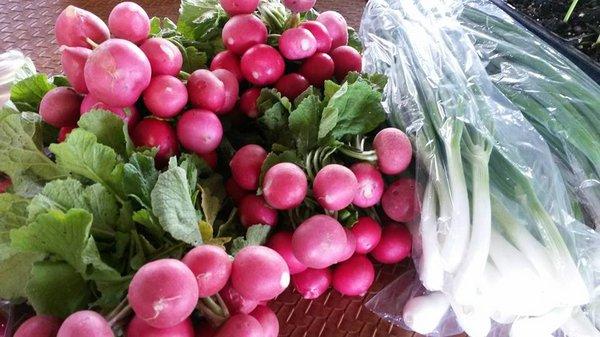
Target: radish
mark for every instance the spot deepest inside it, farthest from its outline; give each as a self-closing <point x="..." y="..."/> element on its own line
<point x="129" y="21"/>
<point x="395" y="244"/>
<point x="370" y="185"/>
<point x="199" y="131"/>
<point x="227" y="60"/>
<point x="166" y="96"/>
<point x="267" y="319"/>
<point x="262" y="65"/>
<point x="60" y="107"/>
<point x="205" y="329"/>
<point x="334" y="187"/>
<point x="235" y="302"/>
<point x="232" y="88"/>
<point x="130" y="115"/>
<point x="259" y="273"/>
<point x="73" y="61"/>
<point x="5" y="184"/>
<point x="152" y="132"/>
<point x="317" y="68"/>
<point x="212" y="267"/>
<point x="63" y="133"/>
<point x="241" y="325"/>
<point x="246" y="164"/>
<point x="38" y="326"/>
<point x="75" y="25"/>
<point x="117" y="72"/>
<point x="234" y="191"/>
<point x="346" y="59"/>
<point x="242" y="32"/>
<point x="393" y="149"/>
<point x="163" y="293"/>
<point x="236" y="7"/>
<point x="320" y="33"/>
<point x="350" y="246"/>
<point x="206" y="91"/>
<point x="312" y="283"/>
<point x="139" y="328"/>
<point x="165" y="58"/>
<point x="247" y="102"/>
<point x="254" y="210"/>
<point x="210" y="158"/>
<point x="292" y="85"/>
<point x="85" y="323"/>
<point x="336" y="27"/>
<point x="285" y="186"/>
<point x="281" y="242"/>
<point x="297" y="43"/>
<point x="299" y="6"/>
<point x="367" y="233"/>
<point x="319" y="242"/>
<point x="399" y="201"/>
<point x="354" y="276"/>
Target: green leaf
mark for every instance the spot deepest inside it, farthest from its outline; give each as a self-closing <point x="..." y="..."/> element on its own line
<point x="304" y="123"/>
<point x="13" y="214"/>
<point x="172" y="205"/>
<point x="139" y="178"/>
<point x="232" y="227"/>
<point x="255" y="236"/>
<point x="28" y="93"/>
<point x="148" y="220"/>
<point x="112" y="293"/>
<point x="201" y="20"/>
<point x="56" y="289"/>
<point x="289" y="156"/>
<point x="162" y="27"/>
<point x="354" y="40"/>
<point x="60" y="81"/>
<point x="107" y="127"/>
<point x="194" y="166"/>
<point x="376" y="80"/>
<point x="329" y="89"/>
<point x="274" y="110"/>
<point x="193" y="59"/>
<point x="212" y="194"/>
<point x="15" y="270"/>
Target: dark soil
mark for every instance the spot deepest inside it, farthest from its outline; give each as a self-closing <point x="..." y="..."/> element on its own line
<point x="582" y="30"/>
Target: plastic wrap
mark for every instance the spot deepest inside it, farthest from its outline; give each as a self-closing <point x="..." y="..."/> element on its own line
<point x="13" y="66"/>
<point x="498" y="241"/>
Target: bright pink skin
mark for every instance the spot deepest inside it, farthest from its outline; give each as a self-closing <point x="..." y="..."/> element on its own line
<point x="334" y="187"/>
<point x="354" y="276"/>
<point x="152" y="132"/>
<point x="297" y="44"/>
<point x="336" y="27"/>
<point x="234" y="191"/>
<point x="267" y="319"/>
<point x="39" y="326"/>
<point x="163" y="293"/>
<point x="395" y="244"/>
<point x="259" y="273"/>
<point x="393" y="149"/>
<point x="237" y="7"/>
<point x="85" y="323"/>
<point x="299" y="6"/>
<point x="247" y="102"/>
<point x="235" y="302"/>
<point x="129" y="21"/>
<point x="319" y="31"/>
<point x="254" y="210"/>
<point x="212" y="267"/>
<point x="242" y="32"/>
<point x="63" y="133"/>
<point x="204" y="329"/>
<point x="246" y="164"/>
<point x="322" y="250"/>
<point x="129" y="115"/>
<point x="399" y="201"/>
<point x="199" y="131"/>
<point x="60" y="107"/>
<point x="74" y="25"/>
<point x="227" y="60"/>
<point x="292" y="85"/>
<point x="117" y="72"/>
<point x="367" y="233"/>
<point x="262" y="65"/>
<point x="350" y="246"/>
<point x="281" y="242"/>
<point x="138" y="328"/>
<point x="232" y="89"/>
<point x="165" y="58"/>
<point x="346" y="59"/>
<point x="166" y="96"/>
<point x="317" y="68"/>
<point x="73" y="61"/>
<point x="210" y="159"/>
<point x="285" y="186"/>
<point x="205" y="90"/>
<point x="370" y="185"/>
<point x="312" y="283"/>
<point x="241" y="325"/>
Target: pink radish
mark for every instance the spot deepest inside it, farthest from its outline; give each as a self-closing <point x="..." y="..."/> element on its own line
<point x="236" y="303"/>
<point x="199" y="131"/>
<point x="262" y="65"/>
<point x="350" y="246"/>
<point x="299" y="6"/>
<point x="395" y="244"/>
<point x="292" y="85"/>
<point x="139" y="328"/>
<point x="39" y="326"/>
<point x="317" y="68"/>
<point x="205" y="90"/>
<point x="312" y="283"/>
<point x="354" y="276"/>
<point x="205" y="329"/>
<point x="254" y="32"/>
<point x="322" y="250"/>
<point x="281" y="242"/>
<point x="346" y="59"/>
<point x="152" y="132"/>
<point x="166" y="96"/>
<point x="236" y="7"/>
<point x="234" y="191"/>
<point x="85" y="323"/>
<point x="241" y="325"/>
<point x="227" y="60"/>
<point x="165" y="58"/>
<point x="129" y="21"/>
<point x="246" y="164"/>
<point x="259" y="273"/>
<point x="367" y="233"/>
<point x="73" y="61"/>
<point x="297" y="43"/>
<point x="399" y="201"/>
<point x="267" y="319"/>
<point x="334" y="187"/>
<point x="130" y="115"/>
<point x="336" y="27"/>
<point x="75" y="25"/>
<point x="319" y="31"/>
<point x="254" y="210"/>
<point x="370" y="185"/>
<point x="63" y="133"/>
<point x="393" y="149"/>
<point x="212" y="267"/>
<point x="232" y="88"/>
<point x="60" y="107"/>
<point x="285" y="186"/>
<point x="210" y="158"/>
<point x="247" y="102"/>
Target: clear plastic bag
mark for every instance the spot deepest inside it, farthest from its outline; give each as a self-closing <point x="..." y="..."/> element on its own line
<point x="498" y="248"/>
<point x="13" y="66"/>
